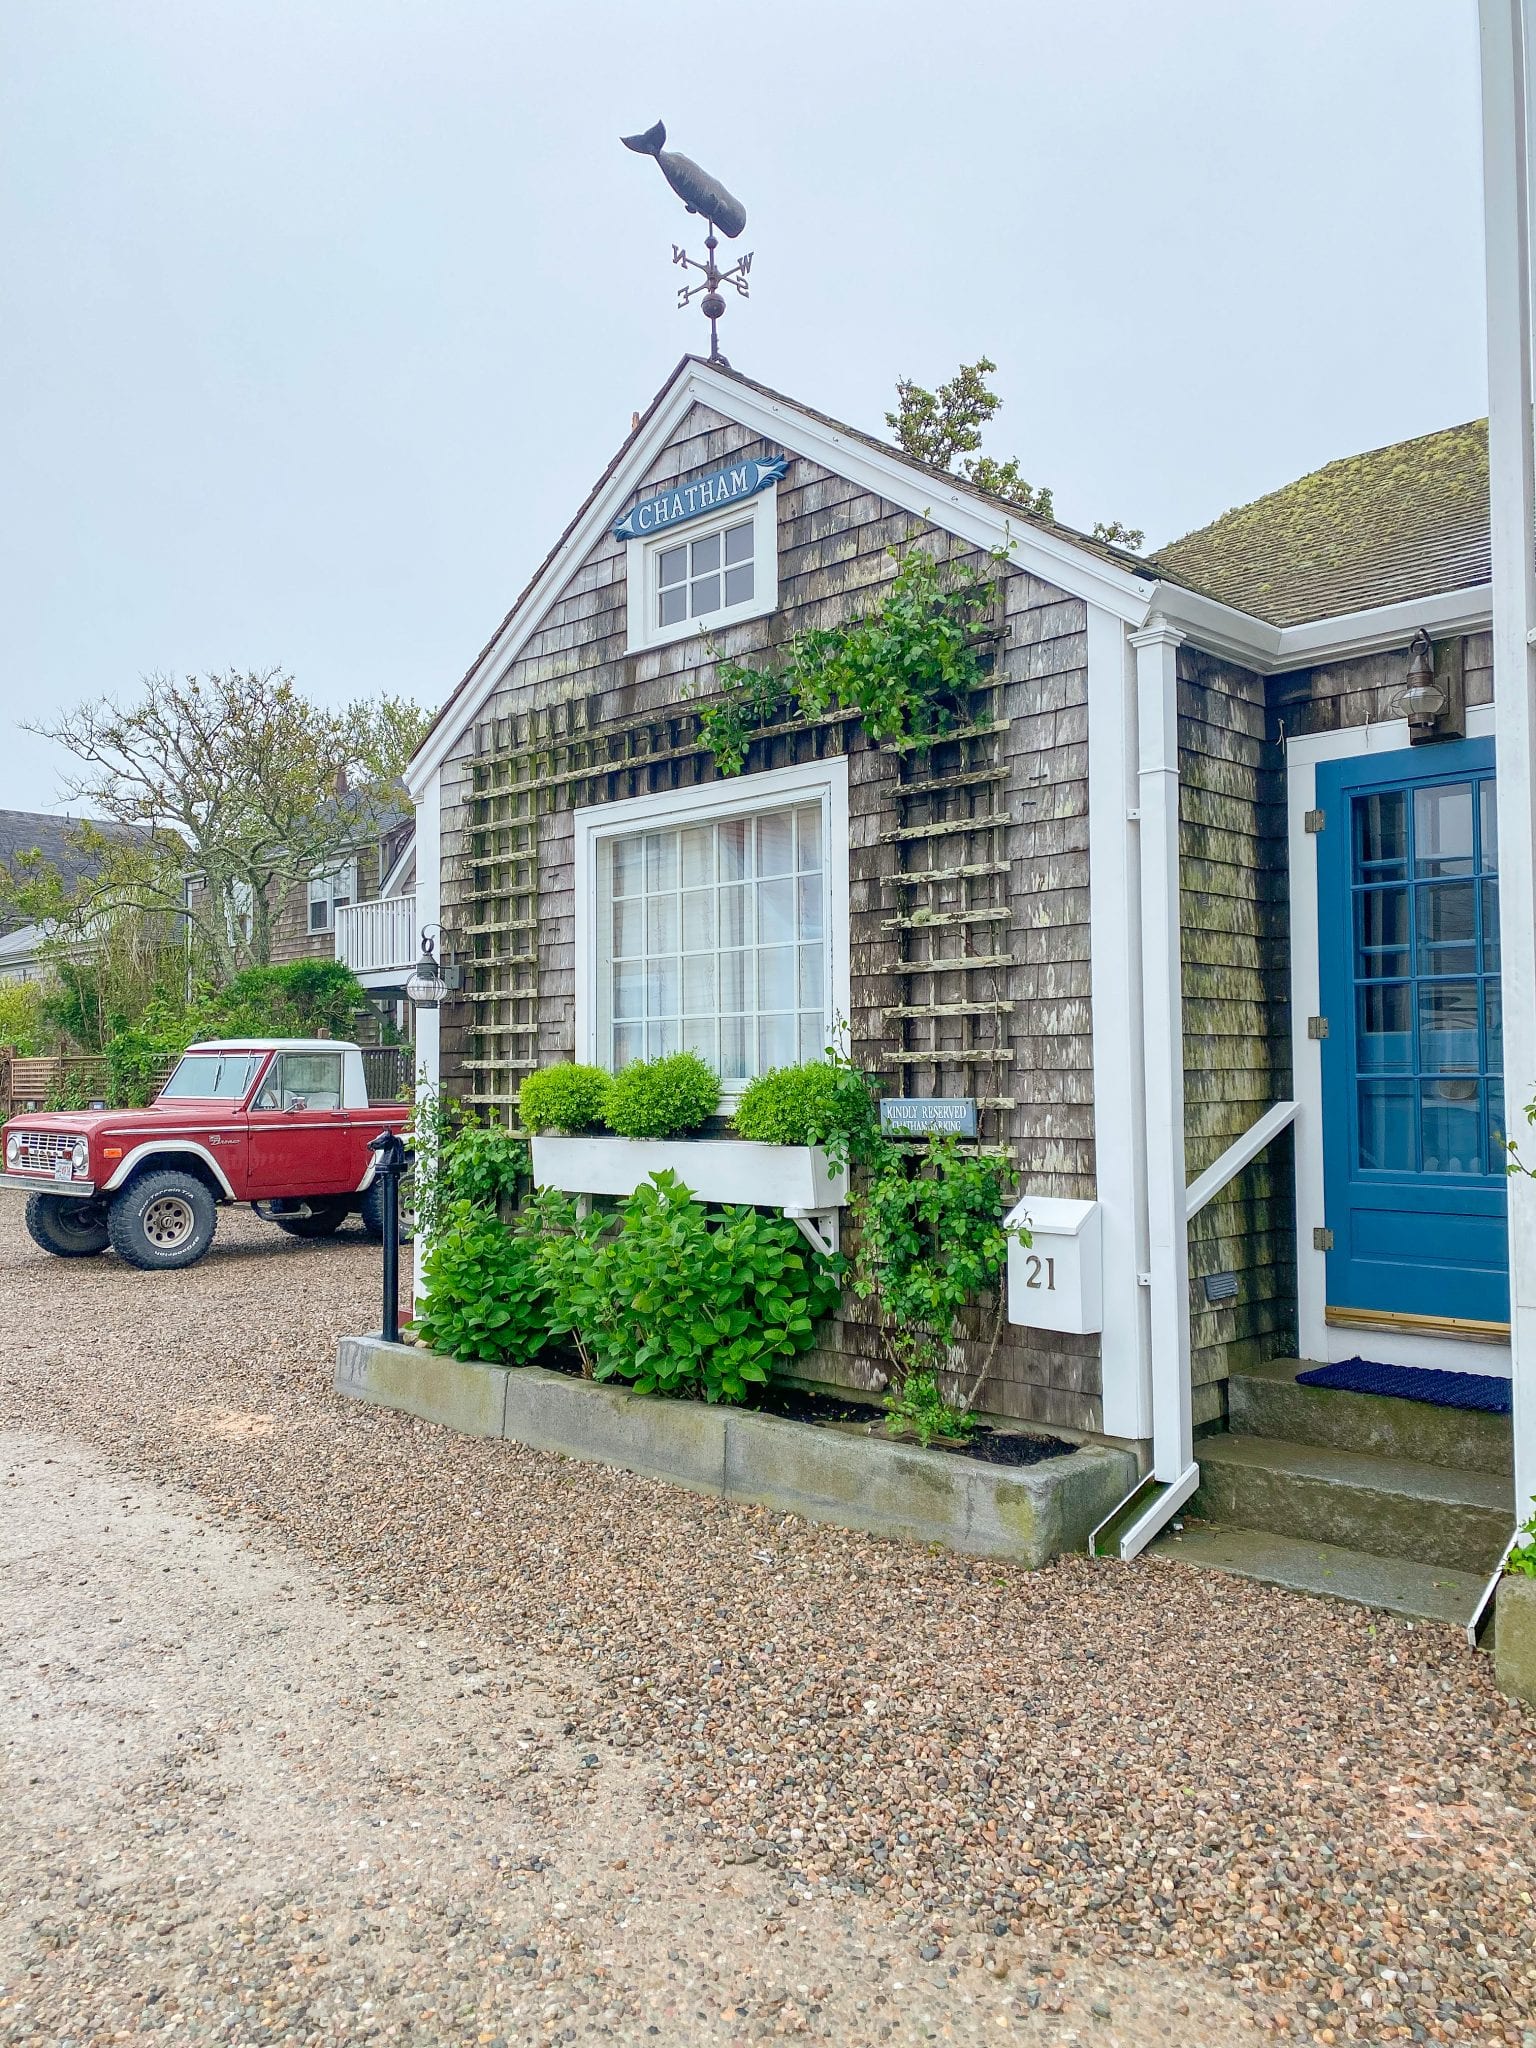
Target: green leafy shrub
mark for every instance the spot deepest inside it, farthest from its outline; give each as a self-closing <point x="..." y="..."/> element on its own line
<point x="484" y="1164"/>
<point x="568" y="1098"/>
<point x="23" y="1026"/>
<point x="906" y="668"/>
<point x="1522" y="1559"/>
<point x="486" y="1296"/>
<point x="917" y="1407"/>
<point x="679" y="1299"/>
<point x="821" y="1102"/>
<point x="663" y="1098"/>
<point x="932" y="1238"/>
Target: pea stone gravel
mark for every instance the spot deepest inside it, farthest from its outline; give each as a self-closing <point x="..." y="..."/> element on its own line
<point x="297" y="1698"/>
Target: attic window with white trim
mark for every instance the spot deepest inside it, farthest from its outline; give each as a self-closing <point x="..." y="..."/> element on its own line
<point x="704" y="575"/>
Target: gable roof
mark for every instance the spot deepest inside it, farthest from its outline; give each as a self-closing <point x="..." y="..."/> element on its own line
<point x="1058" y="554"/>
<point x="1397" y="523"/>
<point x="54" y="837"/>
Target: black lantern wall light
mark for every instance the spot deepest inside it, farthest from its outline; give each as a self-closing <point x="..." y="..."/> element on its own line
<point x="431" y="979"/>
<point x="1433" y="698"/>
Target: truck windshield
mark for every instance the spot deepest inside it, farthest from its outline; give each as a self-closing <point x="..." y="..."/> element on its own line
<point x="213" y="1076"/>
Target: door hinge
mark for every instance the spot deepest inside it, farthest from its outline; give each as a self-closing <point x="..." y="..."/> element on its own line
<point x="1322" y="1239"/>
<point x="1317" y="1027"/>
<point x="1314" y="821"/>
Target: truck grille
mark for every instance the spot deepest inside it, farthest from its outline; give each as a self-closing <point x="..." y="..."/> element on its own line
<point x="40" y="1150"/>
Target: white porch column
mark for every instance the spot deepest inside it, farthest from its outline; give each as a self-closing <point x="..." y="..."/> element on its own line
<point x="1157" y="717"/>
<point x="429" y="897"/>
<point x="1512" y="481"/>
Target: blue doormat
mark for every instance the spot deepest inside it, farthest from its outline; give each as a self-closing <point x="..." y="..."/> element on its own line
<point x="1482" y="1390"/>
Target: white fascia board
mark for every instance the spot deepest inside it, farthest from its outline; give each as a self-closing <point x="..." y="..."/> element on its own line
<point x="1043" y="554"/>
<point x="1275" y="650"/>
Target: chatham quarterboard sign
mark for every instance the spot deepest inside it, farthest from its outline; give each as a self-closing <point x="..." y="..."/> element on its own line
<point x="928" y="1116"/>
<point x="680" y="502"/>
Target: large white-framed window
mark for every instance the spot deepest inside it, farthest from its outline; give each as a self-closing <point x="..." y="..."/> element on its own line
<point x="715" y="920"/>
<point x="704" y="574"/>
<point x="329" y="893"/>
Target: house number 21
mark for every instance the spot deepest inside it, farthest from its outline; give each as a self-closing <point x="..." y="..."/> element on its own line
<point x="1034" y="1263"/>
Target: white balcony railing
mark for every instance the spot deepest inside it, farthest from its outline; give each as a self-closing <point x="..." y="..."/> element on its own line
<point x="377" y="938"/>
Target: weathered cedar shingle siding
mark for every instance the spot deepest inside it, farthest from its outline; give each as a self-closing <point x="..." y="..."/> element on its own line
<point x="1365" y="691"/>
<point x="1236" y="1015"/>
<point x="577" y="720"/>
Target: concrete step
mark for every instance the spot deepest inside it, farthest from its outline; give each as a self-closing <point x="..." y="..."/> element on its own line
<point x="1385" y="1507"/>
<point x="1265" y="1400"/>
<point x="1422" y="1592"/>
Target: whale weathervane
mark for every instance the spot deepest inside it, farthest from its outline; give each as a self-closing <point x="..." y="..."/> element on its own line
<point x="706" y="196"/>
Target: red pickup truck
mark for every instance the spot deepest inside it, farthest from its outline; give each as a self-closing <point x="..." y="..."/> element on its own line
<point x="281" y="1123"/>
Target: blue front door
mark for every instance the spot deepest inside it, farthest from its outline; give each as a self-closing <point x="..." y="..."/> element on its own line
<point x="1413" y="1111"/>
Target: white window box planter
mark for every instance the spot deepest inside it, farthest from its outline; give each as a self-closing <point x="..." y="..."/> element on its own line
<point x="795" y="1178"/>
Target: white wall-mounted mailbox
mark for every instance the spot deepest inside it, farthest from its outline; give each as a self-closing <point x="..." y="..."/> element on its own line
<point x="1056" y="1281"/>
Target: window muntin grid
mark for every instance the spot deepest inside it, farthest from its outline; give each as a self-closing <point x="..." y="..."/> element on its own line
<point x="715" y="937"/>
<point x="712" y="573"/>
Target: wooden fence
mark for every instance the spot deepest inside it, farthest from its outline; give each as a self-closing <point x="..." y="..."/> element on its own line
<point x="72" y="1082"/>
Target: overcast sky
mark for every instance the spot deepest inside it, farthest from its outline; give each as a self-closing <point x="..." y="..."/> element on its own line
<point x="323" y="315"/>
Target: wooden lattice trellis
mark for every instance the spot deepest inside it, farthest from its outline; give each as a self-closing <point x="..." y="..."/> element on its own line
<point x="944" y="925"/>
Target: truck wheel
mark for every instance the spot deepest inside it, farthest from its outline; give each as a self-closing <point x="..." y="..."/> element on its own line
<point x="371" y="1209"/>
<point x="324" y="1220"/>
<point x="161" y="1221"/>
<point x="68" y="1229"/>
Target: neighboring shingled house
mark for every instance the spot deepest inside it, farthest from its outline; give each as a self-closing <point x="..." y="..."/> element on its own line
<point x="57" y="841"/>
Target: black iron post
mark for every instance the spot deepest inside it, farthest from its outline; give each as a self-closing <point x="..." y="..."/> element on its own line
<point x="394" y="1161"/>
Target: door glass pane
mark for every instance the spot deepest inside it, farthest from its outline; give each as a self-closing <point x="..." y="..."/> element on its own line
<point x="1384" y="931"/>
<point x="1451" y="1117"/>
<point x="1448" y="1035"/>
<point x="1487" y="793"/>
<point x="1383" y="827"/>
<point x="1442" y="830"/>
<point x="1386" y="1126"/>
<point x="1386" y="1028"/>
<point x="1447" y="928"/>
<point x="1493" y="1024"/>
<point x="1490" y="927"/>
<point x="1497" y="1134"/>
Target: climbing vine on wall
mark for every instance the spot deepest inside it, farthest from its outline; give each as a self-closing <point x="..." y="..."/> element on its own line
<point x="904" y="668"/>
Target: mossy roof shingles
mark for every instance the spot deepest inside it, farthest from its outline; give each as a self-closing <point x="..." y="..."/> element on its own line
<point x="1396" y="523"/>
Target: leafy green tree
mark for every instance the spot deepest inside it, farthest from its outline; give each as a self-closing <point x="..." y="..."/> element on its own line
<point x="23" y="1025"/>
<point x="236" y="780"/>
<point x="943" y="429"/>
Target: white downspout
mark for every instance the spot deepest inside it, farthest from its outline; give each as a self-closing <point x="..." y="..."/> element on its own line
<point x="1167" y="1277"/>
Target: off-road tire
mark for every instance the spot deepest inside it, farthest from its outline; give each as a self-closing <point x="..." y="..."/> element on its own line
<point x="66" y="1226"/>
<point x="371" y="1209"/>
<point x="324" y="1221"/>
<point x="162" y="1221"/>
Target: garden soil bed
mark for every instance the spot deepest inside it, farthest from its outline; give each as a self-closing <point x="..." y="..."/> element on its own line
<point x="991" y="1446"/>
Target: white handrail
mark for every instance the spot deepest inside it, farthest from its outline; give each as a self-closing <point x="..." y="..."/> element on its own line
<point x="1237" y="1156"/>
<point x="378" y="934"/>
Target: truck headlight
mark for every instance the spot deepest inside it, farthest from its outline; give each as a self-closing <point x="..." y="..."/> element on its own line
<point x="80" y="1155"/>
<point x="13" y="1150"/>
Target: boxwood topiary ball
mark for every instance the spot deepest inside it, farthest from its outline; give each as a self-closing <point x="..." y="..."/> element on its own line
<point x="664" y="1098"/>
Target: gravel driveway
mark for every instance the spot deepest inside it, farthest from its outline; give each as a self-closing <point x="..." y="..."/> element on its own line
<point x="319" y="1722"/>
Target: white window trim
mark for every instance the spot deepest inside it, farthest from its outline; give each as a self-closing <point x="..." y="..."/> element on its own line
<point x="1317" y="1337"/>
<point x="639" y="556"/>
<point x="329" y="878"/>
<point x="826" y="781"/>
